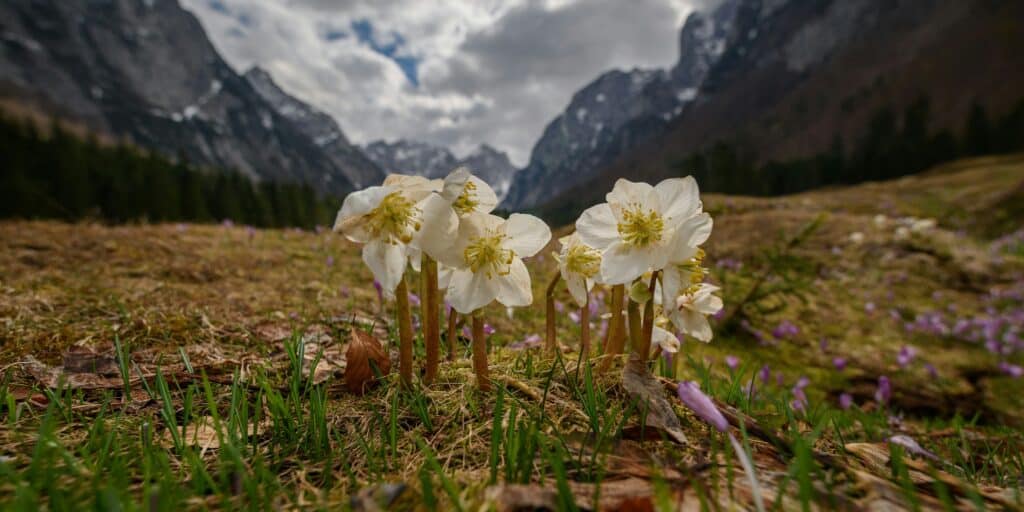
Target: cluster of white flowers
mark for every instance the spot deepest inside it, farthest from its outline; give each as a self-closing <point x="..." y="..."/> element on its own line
<point x="450" y="220"/>
<point x="642" y="233"/>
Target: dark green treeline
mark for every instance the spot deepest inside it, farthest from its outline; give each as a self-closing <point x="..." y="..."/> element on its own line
<point x="57" y="175"/>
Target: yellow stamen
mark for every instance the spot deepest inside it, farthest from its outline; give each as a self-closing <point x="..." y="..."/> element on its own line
<point x="486" y="254"/>
<point x="394" y="219"/>
<point x="467" y="201"/>
<point x="639" y="228"/>
<point x="583" y="260"/>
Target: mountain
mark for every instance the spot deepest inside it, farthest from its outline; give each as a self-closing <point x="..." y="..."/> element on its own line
<point x="320" y="127"/>
<point x="414" y="157"/>
<point x="144" y="70"/>
<point x="785" y="80"/>
<point x="618" y="111"/>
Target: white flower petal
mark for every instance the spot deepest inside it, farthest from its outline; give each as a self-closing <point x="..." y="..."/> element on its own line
<point x="672" y="283"/>
<point x="454" y="184"/>
<point x="577" y="286"/>
<point x="486" y="199"/>
<point x="356" y="205"/>
<point x="693" y="232"/>
<point x="386" y="261"/>
<point x="680" y="198"/>
<point x="514" y="288"/>
<point x="438" y="226"/>
<point x="597" y="227"/>
<point x="626" y="193"/>
<point x="708" y="304"/>
<point x="666" y="340"/>
<point x="694" y="324"/>
<point x="527" y="234"/>
<point x="415" y="257"/>
<point x="415" y="188"/>
<point x="469" y="292"/>
<point x="623" y="263"/>
<point x="444" y="276"/>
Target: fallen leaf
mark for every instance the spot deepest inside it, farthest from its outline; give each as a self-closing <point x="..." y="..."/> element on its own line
<point x="364" y="348"/>
<point x="88" y="360"/>
<point x="642" y="386"/>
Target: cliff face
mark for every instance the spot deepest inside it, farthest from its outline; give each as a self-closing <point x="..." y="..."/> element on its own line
<point x="783" y="79"/>
<point x="145" y="71"/>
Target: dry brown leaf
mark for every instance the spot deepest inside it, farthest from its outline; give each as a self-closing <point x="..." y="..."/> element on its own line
<point x="642" y="386"/>
<point x="628" y="495"/>
<point x="79" y="359"/>
<point x="364" y="348"/>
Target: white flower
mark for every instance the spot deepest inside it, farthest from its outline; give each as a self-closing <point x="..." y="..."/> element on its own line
<point x="692" y="309"/>
<point x="467" y="193"/>
<point x="857" y="237"/>
<point x="636" y="229"/>
<point x="684" y="267"/>
<point x="579" y="264"/>
<point x="459" y="194"/>
<point x="390" y="220"/>
<point x="665" y="339"/>
<point x="486" y="258"/>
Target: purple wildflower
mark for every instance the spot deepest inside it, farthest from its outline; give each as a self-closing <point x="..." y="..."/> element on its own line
<point x="845" y="401"/>
<point x="559" y="306"/>
<point x="228" y="223"/>
<point x="765" y="373"/>
<point x="531" y="341"/>
<point x="839" y="363"/>
<point x="414" y="300"/>
<point x="702" y="406"/>
<point x="906" y="356"/>
<point x="785" y="330"/>
<point x="910" y="445"/>
<point x="732" y="361"/>
<point x="489" y="330"/>
<point x="330" y="261"/>
<point x="869" y="307"/>
<point x="345" y="291"/>
<point x="884" y="392"/>
<point x="823" y="344"/>
<point x="1011" y="369"/>
<point x="574" y="316"/>
<point x="932" y="371"/>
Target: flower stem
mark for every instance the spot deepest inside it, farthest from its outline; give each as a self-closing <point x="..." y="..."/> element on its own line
<point x="431" y="324"/>
<point x="635" y="334"/>
<point x="614" y="343"/>
<point x="453" y="322"/>
<point x="483" y="381"/>
<point x="550" y="343"/>
<point x="404" y="332"/>
<point x="585" y="329"/>
<point x="648" y="326"/>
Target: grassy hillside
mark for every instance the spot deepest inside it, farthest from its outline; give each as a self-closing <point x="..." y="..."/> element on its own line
<point x="176" y="366"/>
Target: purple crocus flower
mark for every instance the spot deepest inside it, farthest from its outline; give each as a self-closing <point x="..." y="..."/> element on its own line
<point x="594" y="307"/>
<point x="489" y="330"/>
<point x="839" y="363"/>
<point x="732" y="361"/>
<point x="823" y="344"/>
<point x="574" y="316"/>
<point x="414" y="300"/>
<point x="559" y="306"/>
<point x="869" y="307"/>
<point x="785" y="330"/>
<point x="531" y="341"/>
<point x="330" y="261"/>
<point x="910" y="445"/>
<point x="932" y="371"/>
<point x="466" y="332"/>
<point x="702" y="406"/>
<point x="845" y="401"/>
<point x="906" y="355"/>
<point x="765" y="373"/>
<point x="228" y="223"/>
<point x="1011" y="369"/>
<point x="884" y="392"/>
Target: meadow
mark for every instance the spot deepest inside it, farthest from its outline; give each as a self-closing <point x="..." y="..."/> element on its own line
<point x="869" y="356"/>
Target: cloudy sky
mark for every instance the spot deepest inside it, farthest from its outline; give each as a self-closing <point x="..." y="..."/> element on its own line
<point x="455" y="73"/>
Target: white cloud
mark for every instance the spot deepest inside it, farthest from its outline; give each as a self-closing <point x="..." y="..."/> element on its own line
<point x="494" y="71"/>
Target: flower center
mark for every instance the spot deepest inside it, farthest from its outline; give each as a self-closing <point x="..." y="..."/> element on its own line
<point x="467" y="201"/>
<point x="394" y="219"/>
<point x="486" y="254"/>
<point x="583" y="260"/>
<point x="639" y="228"/>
